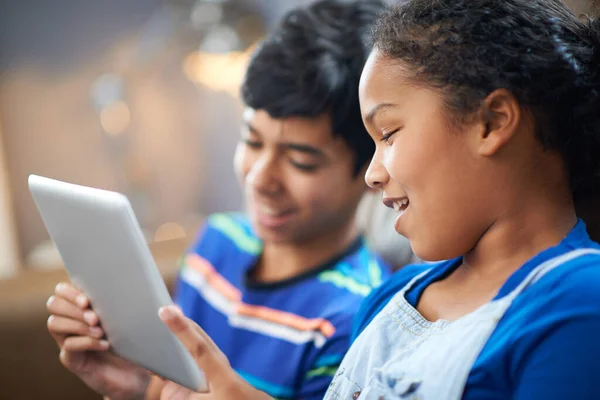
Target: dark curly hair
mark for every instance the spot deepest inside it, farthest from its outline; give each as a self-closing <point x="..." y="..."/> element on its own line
<point x="537" y="49"/>
<point x="311" y="65"/>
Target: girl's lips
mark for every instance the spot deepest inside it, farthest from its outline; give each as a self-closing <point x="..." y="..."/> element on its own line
<point x="396" y="203"/>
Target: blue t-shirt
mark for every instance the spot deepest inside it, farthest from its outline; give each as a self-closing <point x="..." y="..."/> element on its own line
<point x="285" y="338"/>
<point x="547" y="345"/>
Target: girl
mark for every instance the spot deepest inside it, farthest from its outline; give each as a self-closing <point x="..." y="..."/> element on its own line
<point x="485" y="115"/>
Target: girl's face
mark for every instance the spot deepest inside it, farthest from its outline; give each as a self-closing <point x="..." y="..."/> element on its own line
<point x="426" y="164"/>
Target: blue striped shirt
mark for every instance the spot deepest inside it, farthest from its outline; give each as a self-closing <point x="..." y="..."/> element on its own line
<point x="286" y="338"/>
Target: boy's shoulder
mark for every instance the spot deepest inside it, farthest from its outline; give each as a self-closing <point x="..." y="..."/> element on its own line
<point x="355" y="273"/>
<point x="221" y="231"/>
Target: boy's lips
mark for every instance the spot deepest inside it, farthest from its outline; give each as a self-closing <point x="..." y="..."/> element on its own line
<point x="272" y="211"/>
<point x="272" y="217"/>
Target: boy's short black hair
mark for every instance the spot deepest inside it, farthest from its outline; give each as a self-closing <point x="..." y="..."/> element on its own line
<point x="547" y="57"/>
<point x="311" y="65"/>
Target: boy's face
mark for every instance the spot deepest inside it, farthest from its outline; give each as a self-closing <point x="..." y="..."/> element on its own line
<point x="297" y="177"/>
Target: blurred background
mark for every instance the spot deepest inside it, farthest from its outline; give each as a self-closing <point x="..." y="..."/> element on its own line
<point x="137" y="96"/>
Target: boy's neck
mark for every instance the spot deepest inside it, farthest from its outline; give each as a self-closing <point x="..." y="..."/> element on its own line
<point x="284" y="261"/>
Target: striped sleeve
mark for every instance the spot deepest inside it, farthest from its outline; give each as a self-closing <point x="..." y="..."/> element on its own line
<point x="323" y="363"/>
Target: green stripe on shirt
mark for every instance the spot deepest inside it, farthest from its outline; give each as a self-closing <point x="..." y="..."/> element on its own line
<point x="236" y="233"/>
<point x="346" y="282"/>
<point x="374" y="273"/>
<point x="322" y="371"/>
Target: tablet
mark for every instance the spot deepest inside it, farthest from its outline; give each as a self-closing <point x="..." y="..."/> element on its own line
<point x="106" y="255"/>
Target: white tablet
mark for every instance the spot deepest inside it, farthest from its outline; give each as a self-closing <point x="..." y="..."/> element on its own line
<point x="106" y="255"/>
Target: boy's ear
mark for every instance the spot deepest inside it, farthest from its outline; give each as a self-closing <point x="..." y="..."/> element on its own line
<point x="501" y="115"/>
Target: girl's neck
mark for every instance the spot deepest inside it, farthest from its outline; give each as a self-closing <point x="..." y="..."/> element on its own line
<point x="533" y="221"/>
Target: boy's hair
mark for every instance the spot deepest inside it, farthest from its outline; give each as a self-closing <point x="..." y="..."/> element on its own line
<point x="537" y="49"/>
<point x="311" y="65"/>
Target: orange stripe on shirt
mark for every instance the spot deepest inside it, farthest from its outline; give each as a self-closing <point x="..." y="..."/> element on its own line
<point x="230" y="292"/>
<point x="213" y="278"/>
<point x="288" y="319"/>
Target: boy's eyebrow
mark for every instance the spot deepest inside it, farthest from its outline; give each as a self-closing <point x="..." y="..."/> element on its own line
<point x="251" y="128"/>
<point x="303" y="148"/>
<point x="378" y="108"/>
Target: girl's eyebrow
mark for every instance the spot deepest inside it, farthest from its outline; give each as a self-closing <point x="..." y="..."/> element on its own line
<point x="377" y="109"/>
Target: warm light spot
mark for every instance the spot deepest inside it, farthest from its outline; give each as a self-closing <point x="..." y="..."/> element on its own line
<point x="44" y="256"/>
<point x="115" y="118"/>
<point x="190" y="65"/>
<point x="169" y="231"/>
<point x="191" y="222"/>
<point x="218" y="71"/>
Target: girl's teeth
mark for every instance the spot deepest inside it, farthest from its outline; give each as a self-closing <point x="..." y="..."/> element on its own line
<point x="400" y="204"/>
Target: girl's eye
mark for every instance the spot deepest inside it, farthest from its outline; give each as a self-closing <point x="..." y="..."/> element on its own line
<point x="386" y="137"/>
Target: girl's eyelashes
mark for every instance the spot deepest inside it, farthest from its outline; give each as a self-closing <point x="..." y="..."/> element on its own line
<point x="386" y="136"/>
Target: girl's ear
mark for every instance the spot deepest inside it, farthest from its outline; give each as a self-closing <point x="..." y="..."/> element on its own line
<point x="501" y="115"/>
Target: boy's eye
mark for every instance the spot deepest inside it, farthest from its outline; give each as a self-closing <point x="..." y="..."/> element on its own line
<point x="252" y="143"/>
<point x="304" y="167"/>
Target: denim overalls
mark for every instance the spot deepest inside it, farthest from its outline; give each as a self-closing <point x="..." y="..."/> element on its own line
<point x="401" y="355"/>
